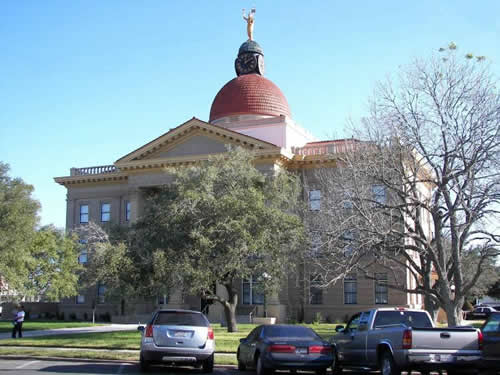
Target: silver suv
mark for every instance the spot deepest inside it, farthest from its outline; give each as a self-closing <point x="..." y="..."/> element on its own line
<point x="178" y="337"/>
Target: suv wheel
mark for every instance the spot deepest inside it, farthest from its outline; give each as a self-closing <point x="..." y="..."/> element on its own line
<point x="208" y="364"/>
<point x="145" y="366"/>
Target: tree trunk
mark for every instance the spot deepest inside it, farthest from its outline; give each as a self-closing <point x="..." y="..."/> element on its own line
<point x="431" y="307"/>
<point x="230" y="309"/>
<point x="453" y="314"/>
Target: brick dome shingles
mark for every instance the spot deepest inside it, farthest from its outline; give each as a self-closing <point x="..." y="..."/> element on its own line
<point x="249" y="94"/>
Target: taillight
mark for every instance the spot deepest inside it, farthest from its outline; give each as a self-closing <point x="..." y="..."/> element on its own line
<point x="407" y="339"/>
<point x="281" y="348"/>
<point x="317" y="349"/>
<point x="149" y="331"/>
<point x="210" y="334"/>
<point x="480" y="339"/>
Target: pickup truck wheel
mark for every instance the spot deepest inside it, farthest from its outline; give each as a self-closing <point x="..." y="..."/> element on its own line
<point x="388" y="366"/>
<point x="336" y="369"/>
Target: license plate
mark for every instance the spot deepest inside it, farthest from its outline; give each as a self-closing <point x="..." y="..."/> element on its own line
<point x="441" y="358"/>
<point x="301" y="351"/>
<point x="181" y="334"/>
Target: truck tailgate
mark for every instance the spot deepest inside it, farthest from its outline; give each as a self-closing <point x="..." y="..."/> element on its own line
<point x="445" y="338"/>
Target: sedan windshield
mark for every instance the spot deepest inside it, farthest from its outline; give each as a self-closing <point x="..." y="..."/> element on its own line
<point x="290" y="332"/>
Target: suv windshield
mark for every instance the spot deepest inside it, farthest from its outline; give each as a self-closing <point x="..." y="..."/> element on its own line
<point x="414" y="319"/>
<point x="180" y="318"/>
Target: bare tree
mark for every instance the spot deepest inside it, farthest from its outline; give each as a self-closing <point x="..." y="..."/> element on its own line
<point x="423" y="188"/>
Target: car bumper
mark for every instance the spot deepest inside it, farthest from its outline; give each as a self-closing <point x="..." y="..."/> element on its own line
<point x="153" y="353"/>
<point x="283" y="362"/>
<point x="443" y="360"/>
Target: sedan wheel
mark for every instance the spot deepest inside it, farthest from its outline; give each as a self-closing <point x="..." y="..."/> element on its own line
<point x="336" y="369"/>
<point x="241" y="365"/>
<point x="260" y="369"/>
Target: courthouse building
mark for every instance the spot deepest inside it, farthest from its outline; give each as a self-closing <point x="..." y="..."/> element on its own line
<point x="249" y="111"/>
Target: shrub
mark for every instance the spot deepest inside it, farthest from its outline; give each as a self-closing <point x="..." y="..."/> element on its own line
<point x="85" y="316"/>
<point x="318" y="318"/>
<point x="467" y="306"/>
<point x="72" y="316"/>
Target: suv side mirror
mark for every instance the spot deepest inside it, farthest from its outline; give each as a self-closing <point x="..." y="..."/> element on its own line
<point x="140" y="328"/>
<point x="339" y="328"/>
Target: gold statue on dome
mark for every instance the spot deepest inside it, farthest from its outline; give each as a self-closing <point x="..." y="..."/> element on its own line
<point x="250" y="19"/>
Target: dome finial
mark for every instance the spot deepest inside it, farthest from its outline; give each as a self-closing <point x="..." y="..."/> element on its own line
<point x="250" y="20"/>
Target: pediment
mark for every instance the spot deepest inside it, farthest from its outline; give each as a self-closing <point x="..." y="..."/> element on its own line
<point x="192" y="139"/>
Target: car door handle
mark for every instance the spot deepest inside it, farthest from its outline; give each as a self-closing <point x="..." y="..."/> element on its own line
<point x="445" y="335"/>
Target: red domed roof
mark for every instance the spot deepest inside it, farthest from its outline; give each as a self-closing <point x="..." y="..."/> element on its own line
<point x="249" y="94"/>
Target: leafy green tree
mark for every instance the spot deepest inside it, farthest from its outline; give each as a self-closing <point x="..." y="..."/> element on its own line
<point x="18" y="221"/>
<point x="52" y="265"/>
<point x="222" y="221"/>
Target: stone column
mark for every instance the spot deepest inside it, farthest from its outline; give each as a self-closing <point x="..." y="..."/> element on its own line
<point x="136" y="204"/>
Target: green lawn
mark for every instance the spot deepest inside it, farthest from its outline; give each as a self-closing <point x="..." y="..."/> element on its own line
<point x="6" y="326"/>
<point x="225" y="342"/>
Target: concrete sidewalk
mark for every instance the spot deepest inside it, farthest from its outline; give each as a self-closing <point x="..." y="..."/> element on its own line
<point x="67" y="331"/>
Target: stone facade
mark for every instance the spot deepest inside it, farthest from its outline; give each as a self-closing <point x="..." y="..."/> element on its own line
<point x="119" y="190"/>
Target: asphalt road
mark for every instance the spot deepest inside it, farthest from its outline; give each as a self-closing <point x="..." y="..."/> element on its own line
<point x="41" y="366"/>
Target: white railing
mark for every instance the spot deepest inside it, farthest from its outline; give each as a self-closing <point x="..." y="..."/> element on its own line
<point x="93" y="170"/>
<point x="326" y="148"/>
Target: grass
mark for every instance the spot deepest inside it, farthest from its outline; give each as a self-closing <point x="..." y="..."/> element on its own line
<point x="225" y="342"/>
<point x="92" y="354"/>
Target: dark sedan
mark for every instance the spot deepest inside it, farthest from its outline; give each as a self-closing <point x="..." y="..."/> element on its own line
<point x="491" y="344"/>
<point x="480" y="313"/>
<point x="284" y="347"/>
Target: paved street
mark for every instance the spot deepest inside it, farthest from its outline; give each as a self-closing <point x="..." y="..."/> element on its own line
<point x="46" y="367"/>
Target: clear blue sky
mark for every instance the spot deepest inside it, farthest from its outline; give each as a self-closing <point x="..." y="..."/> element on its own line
<point x="86" y="82"/>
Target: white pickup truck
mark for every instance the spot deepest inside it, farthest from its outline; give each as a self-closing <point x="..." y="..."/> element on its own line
<point x="399" y="339"/>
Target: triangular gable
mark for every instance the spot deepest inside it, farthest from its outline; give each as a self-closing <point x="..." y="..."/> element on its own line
<point x="194" y="137"/>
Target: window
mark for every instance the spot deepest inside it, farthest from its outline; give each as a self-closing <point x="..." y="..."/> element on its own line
<point x="127" y="210"/>
<point x="347" y="202"/>
<point x="101" y="292"/>
<point x="348" y="243"/>
<point x="105" y="212"/>
<point x="378" y="192"/>
<point x="252" y="295"/>
<point x="80" y="299"/>
<point x="162" y="299"/>
<point x="315" y="244"/>
<point x="314" y="200"/>
<point x="381" y="290"/>
<point x="315" y="292"/>
<point x="350" y="290"/>
<point x="84" y="213"/>
<point x="83" y="257"/>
